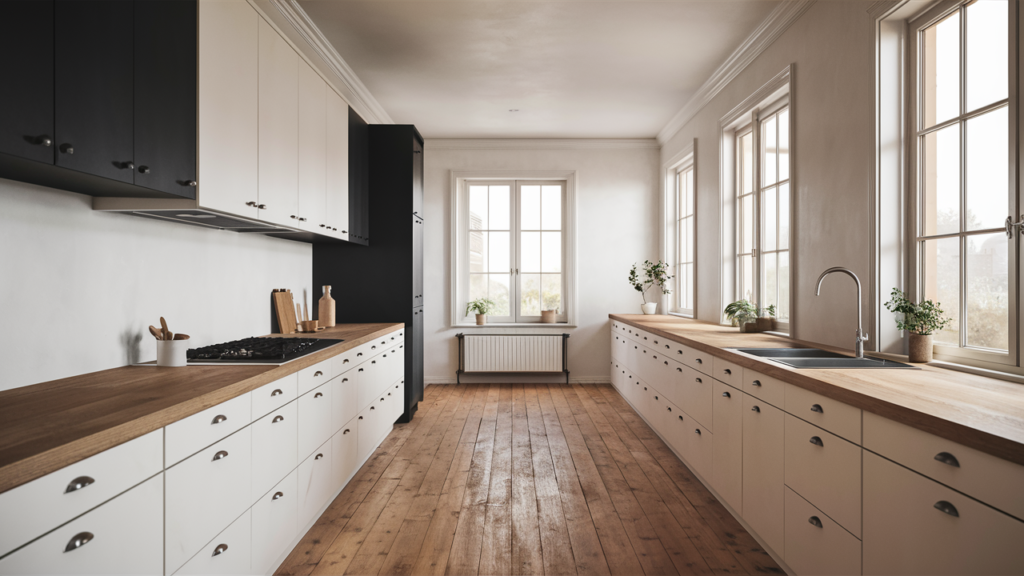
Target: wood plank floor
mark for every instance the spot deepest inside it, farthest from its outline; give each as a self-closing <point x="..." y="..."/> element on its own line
<point x="526" y="479"/>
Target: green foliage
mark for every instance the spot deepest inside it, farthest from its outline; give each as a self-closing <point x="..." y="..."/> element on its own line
<point x="770" y="310"/>
<point x="655" y="274"/>
<point x="480" y="306"/>
<point x="741" y="312"/>
<point x="924" y="318"/>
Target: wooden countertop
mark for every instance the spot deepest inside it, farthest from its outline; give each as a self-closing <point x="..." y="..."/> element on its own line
<point x="47" y="426"/>
<point x="983" y="413"/>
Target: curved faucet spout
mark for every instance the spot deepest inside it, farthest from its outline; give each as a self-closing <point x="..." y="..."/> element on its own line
<point x="861" y="336"/>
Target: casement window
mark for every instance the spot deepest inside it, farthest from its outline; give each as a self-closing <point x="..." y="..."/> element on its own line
<point x="685" y="240"/>
<point x="512" y="249"/>
<point x="762" y="189"/>
<point x="962" y="111"/>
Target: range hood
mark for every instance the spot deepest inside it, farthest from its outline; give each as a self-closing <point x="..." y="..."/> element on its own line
<point x="186" y="212"/>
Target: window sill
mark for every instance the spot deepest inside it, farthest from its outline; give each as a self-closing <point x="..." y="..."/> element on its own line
<point x="516" y="325"/>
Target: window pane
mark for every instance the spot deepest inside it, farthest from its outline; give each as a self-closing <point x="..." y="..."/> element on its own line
<point x="477" y="286"/>
<point x="478" y="251"/>
<point x="987" y="291"/>
<point x="987" y="50"/>
<point x="746" y="224"/>
<point x="551" y="247"/>
<point x="529" y="252"/>
<point x="782" y="312"/>
<point x="941" y="280"/>
<point x="987" y="170"/>
<point x="769" y="143"/>
<point x="784" y="144"/>
<point x="746" y="275"/>
<point x="478" y="207"/>
<point x="784" y="217"/>
<point x="499" y="253"/>
<point x="769" y="212"/>
<point x="551" y="289"/>
<point x="746" y="163"/>
<point x="690" y="240"/>
<point x="688" y="207"/>
<point x="500" y="208"/>
<point x="940" y="157"/>
<point x="770" y="288"/>
<point x="498" y="291"/>
<point x="689" y="285"/>
<point x="529" y="208"/>
<point x="940" y="77"/>
<point x="529" y="289"/>
<point x="551" y="211"/>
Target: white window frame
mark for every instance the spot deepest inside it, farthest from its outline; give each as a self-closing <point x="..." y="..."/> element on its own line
<point x="459" y="260"/>
<point x="686" y="160"/>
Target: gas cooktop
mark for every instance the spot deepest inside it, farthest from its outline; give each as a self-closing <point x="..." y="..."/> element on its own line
<point x="258" y="350"/>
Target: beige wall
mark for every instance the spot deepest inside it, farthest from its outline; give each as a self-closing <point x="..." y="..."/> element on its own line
<point x="831" y="48"/>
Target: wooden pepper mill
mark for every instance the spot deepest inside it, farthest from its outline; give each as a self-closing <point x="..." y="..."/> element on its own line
<point x="326" y="315"/>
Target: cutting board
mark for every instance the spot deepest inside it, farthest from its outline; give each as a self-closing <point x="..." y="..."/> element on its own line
<point x="284" y="307"/>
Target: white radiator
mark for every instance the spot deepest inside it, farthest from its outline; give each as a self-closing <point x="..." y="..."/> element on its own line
<point x="513" y="353"/>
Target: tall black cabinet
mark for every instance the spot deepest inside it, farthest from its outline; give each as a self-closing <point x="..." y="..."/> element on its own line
<point x="383" y="281"/>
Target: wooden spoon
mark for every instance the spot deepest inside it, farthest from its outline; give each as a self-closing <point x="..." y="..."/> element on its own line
<point x="163" y="324"/>
<point x="156" y="333"/>
<point x="180" y="336"/>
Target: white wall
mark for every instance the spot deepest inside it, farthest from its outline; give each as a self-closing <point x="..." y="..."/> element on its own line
<point x="79" y="288"/>
<point x="617" y="208"/>
<point x="832" y="49"/>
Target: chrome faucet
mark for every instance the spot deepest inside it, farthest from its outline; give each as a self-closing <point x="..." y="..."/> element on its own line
<point x="861" y="336"/>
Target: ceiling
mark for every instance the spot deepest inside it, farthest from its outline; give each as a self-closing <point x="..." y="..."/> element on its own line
<point x="571" y="69"/>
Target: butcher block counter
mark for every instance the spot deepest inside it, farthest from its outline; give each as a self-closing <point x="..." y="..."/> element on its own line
<point x="47" y="426"/>
<point x="983" y="413"/>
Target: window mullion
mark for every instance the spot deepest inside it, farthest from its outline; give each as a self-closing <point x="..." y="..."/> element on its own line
<point x="756" y="242"/>
<point x="514" y="257"/>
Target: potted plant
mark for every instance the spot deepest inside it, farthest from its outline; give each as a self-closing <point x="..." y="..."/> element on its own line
<point x="654" y="274"/>
<point x="482" y="307"/>
<point x="766" y="319"/>
<point x="742" y="313"/>
<point x="922" y="320"/>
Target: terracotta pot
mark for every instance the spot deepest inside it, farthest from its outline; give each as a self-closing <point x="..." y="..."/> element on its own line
<point x="765" y="324"/>
<point x="481" y="319"/>
<point x="920" y="347"/>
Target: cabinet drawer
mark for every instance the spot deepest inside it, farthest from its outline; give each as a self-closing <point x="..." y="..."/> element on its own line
<point x="315" y="483"/>
<point x="229" y="553"/>
<point x="314" y="420"/>
<point x="315" y="375"/>
<point x="764" y="439"/>
<point x="992" y="480"/>
<point x="693" y="393"/>
<point x="906" y="532"/>
<point x="345" y="447"/>
<point x="268" y="398"/>
<point x="47" y="502"/>
<point x="832" y="415"/>
<point x="727" y="453"/>
<point x="396" y="395"/>
<point x="204" y="495"/>
<point x="123" y="536"/>
<point x="728" y="372"/>
<point x="701" y="449"/>
<point x="765" y="388"/>
<point x="344" y="399"/>
<point x="274" y="524"/>
<point x="190" y="435"/>
<point x="824" y="469"/>
<point x="274" y="448"/>
<point x="693" y="358"/>
<point x="368" y="427"/>
<point x="345" y="361"/>
<point x="815" y="544"/>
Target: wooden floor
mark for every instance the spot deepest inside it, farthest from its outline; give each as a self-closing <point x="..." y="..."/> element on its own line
<point x="526" y="479"/>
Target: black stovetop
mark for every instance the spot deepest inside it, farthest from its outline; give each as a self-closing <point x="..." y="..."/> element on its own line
<point x="258" y="350"/>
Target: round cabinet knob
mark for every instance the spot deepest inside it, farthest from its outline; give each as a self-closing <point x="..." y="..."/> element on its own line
<point x="44" y="140"/>
<point x="67" y="148"/>
<point x="220" y="549"/>
<point x="144" y="169"/>
<point x="79" y="540"/>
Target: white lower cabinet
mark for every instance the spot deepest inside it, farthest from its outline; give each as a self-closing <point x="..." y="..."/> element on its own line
<point x="763" y="470"/>
<point x="824" y="469"/>
<point x="727" y="449"/>
<point x="189" y="435"/>
<point x="230" y="553"/>
<point x="914" y="525"/>
<point x="815" y="544"/>
<point x="205" y="493"/>
<point x="345" y="446"/>
<point x="701" y="448"/>
<point x="344" y="399"/>
<point x="368" y="424"/>
<point x="274" y="449"/>
<point x="314" y="420"/>
<point x="123" y="536"/>
<point x="274" y="524"/>
<point x="315" y="483"/>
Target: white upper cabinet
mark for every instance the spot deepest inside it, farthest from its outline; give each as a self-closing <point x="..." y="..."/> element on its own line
<point x="228" y="107"/>
<point x="337" y="166"/>
<point x="278" y="128"/>
<point x="312" y="149"/>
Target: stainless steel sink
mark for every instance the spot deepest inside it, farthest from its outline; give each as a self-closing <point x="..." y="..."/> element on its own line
<point x="815" y="358"/>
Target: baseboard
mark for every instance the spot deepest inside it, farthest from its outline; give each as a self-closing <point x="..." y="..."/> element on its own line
<point x="514" y="379"/>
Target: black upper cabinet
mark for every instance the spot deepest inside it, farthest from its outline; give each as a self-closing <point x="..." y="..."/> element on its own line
<point x="165" y="95"/>
<point x="94" y="102"/>
<point x="358" y="179"/>
<point x="26" y="79"/>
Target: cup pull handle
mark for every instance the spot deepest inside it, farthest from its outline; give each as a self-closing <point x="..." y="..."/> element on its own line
<point x="278" y="495"/>
<point x="276" y="392"/>
<point x="318" y="456"/>
<point x="726" y="395"/>
<point x="755" y="409"/>
<point x="947" y="458"/>
<point x="817" y="441"/>
<point x="220" y="455"/>
<point x="946" y="507"/>
<point x="220" y="549"/>
<point x="815" y="521"/>
<point x="219" y="418"/>
<point x="317" y="373"/>
<point x="817" y="408"/>
<point x="79" y="483"/>
<point x="277" y="419"/>
<point x="79" y="540"/>
<point x="317" y="395"/>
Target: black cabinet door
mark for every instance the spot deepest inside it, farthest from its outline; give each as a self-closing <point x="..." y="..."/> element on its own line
<point x="165" y="96"/>
<point x="358" y="177"/>
<point x="94" y="103"/>
<point x="417" y="261"/>
<point x="26" y="79"/>
<point x="415" y="391"/>
<point x="417" y="178"/>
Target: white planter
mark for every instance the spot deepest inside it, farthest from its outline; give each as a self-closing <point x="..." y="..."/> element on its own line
<point x="650" y="308"/>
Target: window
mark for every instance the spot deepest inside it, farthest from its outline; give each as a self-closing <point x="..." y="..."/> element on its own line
<point x="686" y="237"/>
<point x="762" y="209"/>
<point x="512" y="248"/>
<point x="962" y="181"/>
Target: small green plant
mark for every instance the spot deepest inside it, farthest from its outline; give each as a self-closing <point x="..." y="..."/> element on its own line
<point x="655" y="274"/>
<point x="770" y="311"/>
<point x="741" y="312"/>
<point x="923" y="319"/>
<point x="480" y="306"/>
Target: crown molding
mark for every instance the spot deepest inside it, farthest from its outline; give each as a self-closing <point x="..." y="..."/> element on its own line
<point x="358" y="95"/>
<point x="541" y="143"/>
<point x="767" y="32"/>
